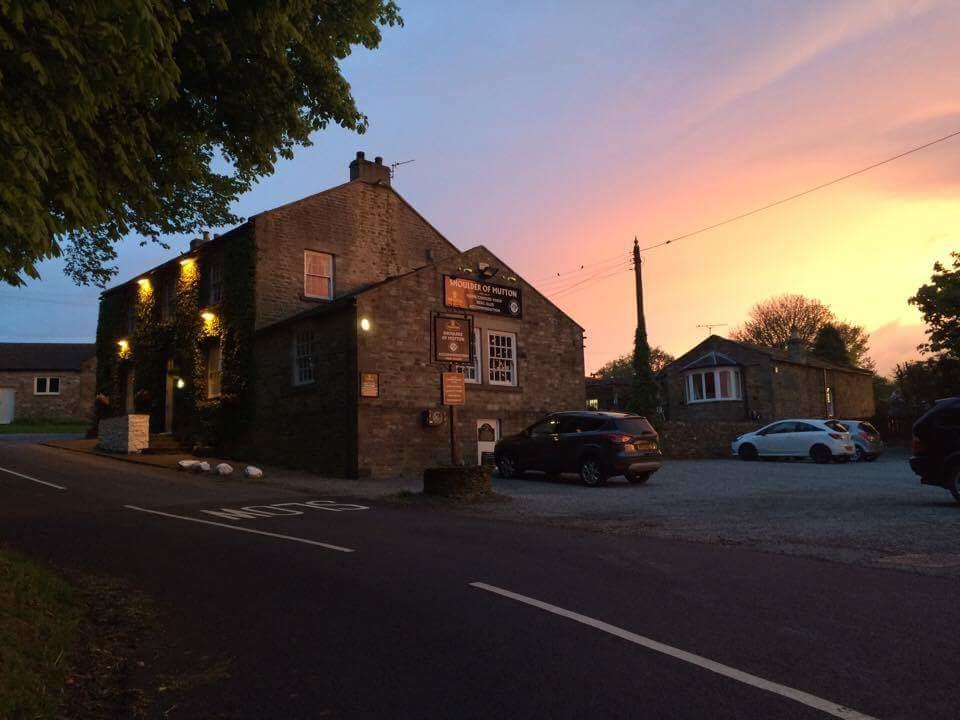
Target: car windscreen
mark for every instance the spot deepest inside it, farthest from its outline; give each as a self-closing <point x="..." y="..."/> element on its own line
<point x="834" y="425"/>
<point x="634" y="426"/>
<point x="869" y="429"/>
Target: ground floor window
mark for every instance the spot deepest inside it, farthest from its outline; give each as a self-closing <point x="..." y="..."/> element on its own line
<point x="713" y="384"/>
<point x="471" y="373"/>
<point x="501" y="358"/>
<point x="214" y="370"/>
<point x="46" y="386"/>
<point x="593" y="403"/>
<point x="304" y="351"/>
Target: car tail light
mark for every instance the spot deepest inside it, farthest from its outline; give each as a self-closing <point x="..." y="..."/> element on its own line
<point x="836" y="436"/>
<point x="619" y="439"/>
<point x="917" y="447"/>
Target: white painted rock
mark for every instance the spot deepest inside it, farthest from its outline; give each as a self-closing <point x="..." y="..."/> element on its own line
<point x="252" y="472"/>
<point x="224" y="469"/>
<point x="187" y="464"/>
<point x="204" y="466"/>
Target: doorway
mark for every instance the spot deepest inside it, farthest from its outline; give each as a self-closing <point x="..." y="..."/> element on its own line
<point x="168" y="390"/>
<point x="8" y="398"/>
<point x="488" y="432"/>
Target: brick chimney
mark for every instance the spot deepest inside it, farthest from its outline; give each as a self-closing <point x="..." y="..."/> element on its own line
<point x="796" y="349"/>
<point x="372" y="172"/>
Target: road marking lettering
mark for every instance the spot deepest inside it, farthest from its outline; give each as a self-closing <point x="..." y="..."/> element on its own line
<point x="252" y="512"/>
<point x="799" y="696"/>
<point x="33" y="479"/>
<point x="291" y="538"/>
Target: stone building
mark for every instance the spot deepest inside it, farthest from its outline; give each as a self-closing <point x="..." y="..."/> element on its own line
<point x="46" y="380"/>
<point x="723" y="380"/>
<point x="315" y="335"/>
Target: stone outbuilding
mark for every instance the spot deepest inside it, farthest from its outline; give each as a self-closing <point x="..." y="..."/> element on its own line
<point x="722" y="380"/>
<point x="315" y="335"/>
<point x="47" y="380"/>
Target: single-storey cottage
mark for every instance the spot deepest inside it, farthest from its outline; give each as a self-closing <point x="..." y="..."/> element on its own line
<point x="317" y="334"/>
<point x="46" y="380"/>
<point x="727" y="380"/>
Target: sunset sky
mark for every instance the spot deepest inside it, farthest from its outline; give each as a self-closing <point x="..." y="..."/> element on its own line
<point x="554" y="133"/>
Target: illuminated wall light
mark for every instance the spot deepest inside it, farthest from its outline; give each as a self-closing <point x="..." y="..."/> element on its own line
<point x="123" y="344"/>
<point x="143" y="282"/>
<point x="186" y="261"/>
<point x="180" y="384"/>
<point x="365" y="324"/>
<point x="207" y="316"/>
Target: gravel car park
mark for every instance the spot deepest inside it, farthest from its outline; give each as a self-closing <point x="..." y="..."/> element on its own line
<point x="859" y="512"/>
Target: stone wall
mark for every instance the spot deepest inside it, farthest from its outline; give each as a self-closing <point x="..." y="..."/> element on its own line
<point x="74" y="401"/>
<point x="371" y="231"/>
<point x="124" y="433"/>
<point x="393" y="438"/>
<point x="683" y="440"/>
<point x="312" y="426"/>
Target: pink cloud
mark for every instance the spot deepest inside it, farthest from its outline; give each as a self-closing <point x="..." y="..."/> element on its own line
<point x="894" y="343"/>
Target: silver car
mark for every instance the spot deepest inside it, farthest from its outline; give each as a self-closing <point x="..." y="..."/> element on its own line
<point x="866" y="438"/>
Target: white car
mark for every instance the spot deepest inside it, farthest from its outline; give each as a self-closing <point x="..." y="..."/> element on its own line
<point x="821" y="440"/>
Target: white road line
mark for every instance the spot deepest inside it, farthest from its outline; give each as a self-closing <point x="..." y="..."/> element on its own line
<point x="33" y="479"/>
<point x="758" y="682"/>
<point x="291" y="538"/>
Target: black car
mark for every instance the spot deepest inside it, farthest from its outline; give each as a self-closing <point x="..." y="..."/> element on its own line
<point x="936" y="446"/>
<point x="594" y="444"/>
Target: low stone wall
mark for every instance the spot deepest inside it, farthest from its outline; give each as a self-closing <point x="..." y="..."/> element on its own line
<point x="700" y="440"/>
<point x="125" y="433"/>
<point x="471" y="481"/>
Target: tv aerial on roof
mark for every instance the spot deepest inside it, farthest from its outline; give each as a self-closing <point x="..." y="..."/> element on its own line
<point x="395" y="165"/>
<point x="711" y="326"/>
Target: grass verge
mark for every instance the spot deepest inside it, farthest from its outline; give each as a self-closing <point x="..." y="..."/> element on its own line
<point x="45" y="425"/>
<point x="39" y="625"/>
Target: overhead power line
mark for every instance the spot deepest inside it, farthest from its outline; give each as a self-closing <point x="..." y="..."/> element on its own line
<point x="801" y="194"/>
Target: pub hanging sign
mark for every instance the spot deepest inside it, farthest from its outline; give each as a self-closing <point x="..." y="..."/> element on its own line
<point x="452" y="339"/>
<point x="479" y="296"/>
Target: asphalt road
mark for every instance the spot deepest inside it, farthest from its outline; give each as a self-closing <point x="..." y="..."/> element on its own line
<point x="353" y="609"/>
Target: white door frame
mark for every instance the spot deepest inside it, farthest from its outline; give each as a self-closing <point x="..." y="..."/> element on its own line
<point x="486" y="446"/>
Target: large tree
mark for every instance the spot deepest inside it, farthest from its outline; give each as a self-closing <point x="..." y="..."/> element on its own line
<point x="621" y="368"/>
<point x="772" y="322"/>
<point x="939" y="302"/>
<point x="150" y="118"/>
<point x="829" y="345"/>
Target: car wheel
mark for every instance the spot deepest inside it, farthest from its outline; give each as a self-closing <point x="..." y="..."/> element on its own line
<point x="592" y="472"/>
<point x="507" y="467"/>
<point x="821" y="454"/>
<point x="954" y="483"/>
<point x="747" y="452"/>
<point x="861" y="454"/>
<point x="638" y="478"/>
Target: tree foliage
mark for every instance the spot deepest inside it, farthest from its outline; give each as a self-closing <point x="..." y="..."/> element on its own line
<point x="920" y="383"/>
<point x="828" y="345"/>
<point x="772" y="322"/>
<point x="151" y="117"/>
<point x="939" y="302"/>
<point x="644" y="393"/>
<point x="621" y="369"/>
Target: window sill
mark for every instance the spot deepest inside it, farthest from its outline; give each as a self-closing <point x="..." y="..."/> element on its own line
<point x="315" y="298"/>
<point x="713" y="400"/>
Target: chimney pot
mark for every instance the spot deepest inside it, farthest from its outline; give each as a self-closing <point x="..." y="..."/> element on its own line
<point x="206" y="236"/>
<point x="378" y="160"/>
<point x="360" y="155"/>
<point x="796" y="350"/>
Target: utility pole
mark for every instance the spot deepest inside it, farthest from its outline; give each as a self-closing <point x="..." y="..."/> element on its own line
<point x="644" y="390"/>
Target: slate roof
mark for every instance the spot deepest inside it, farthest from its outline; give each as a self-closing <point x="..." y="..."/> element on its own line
<point x="45" y="356"/>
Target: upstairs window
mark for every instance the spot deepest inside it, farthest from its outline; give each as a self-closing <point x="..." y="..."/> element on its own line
<point x="132" y="317"/>
<point x="713" y="384"/>
<point x="317" y="275"/>
<point x="501" y="358"/>
<point x="215" y="292"/>
<point x="214" y="370"/>
<point x="46" y="386"/>
<point x="304" y="351"/>
<point x="168" y="300"/>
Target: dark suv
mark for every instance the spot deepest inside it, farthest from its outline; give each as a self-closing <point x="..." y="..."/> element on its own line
<point x="594" y="444"/>
<point x="936" y="446"/>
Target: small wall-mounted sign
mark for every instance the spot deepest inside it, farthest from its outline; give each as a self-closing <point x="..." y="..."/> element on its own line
<point x="454" y="389"/>
<point x="468" y="294"/>
<point x="452" y="339"/>
<point x="369" y="384"/>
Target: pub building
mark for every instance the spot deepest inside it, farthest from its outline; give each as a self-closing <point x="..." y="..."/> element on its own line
<point x="327" y="334"/>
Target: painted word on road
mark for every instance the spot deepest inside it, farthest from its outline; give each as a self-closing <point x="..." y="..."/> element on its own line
<point x="253" y="512"/>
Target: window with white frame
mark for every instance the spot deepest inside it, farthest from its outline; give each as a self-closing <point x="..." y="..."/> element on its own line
<point x="214" y="369"/>
<point x="215" y="293"/>
<point x="317" y="274"/>
<point x="46" y="386"/>
<point x="471" y="373"/>
<point x="304" y="352"/>
<point x="713" y="384"/>
<point x="501" y="358"/>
